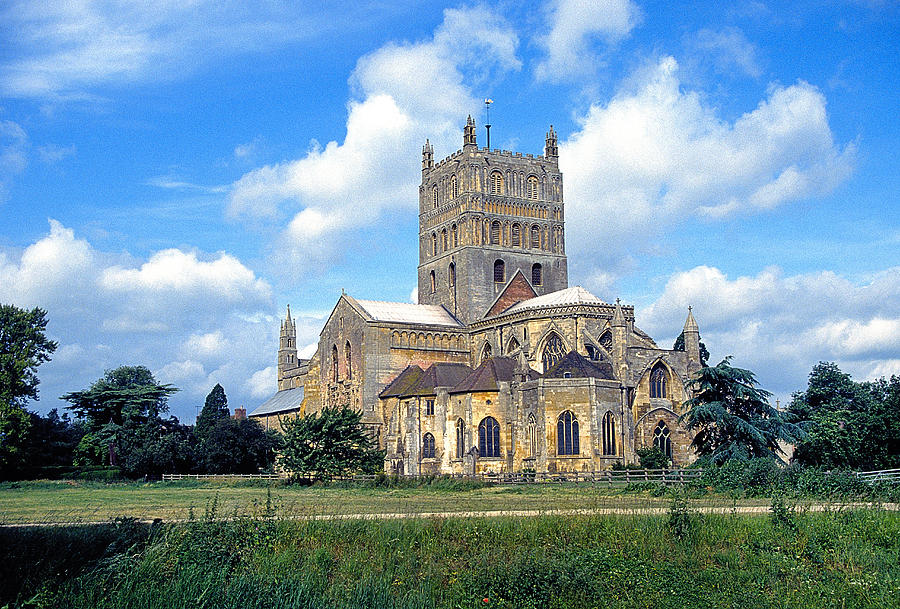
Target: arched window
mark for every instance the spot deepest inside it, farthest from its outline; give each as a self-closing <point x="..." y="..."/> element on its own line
<point x="658" y="380"/>
<point x="428" y="446"/>
<point x="496" y="183"/>
<point x="532" y="187"/>
<point x="433" y="282"/>
<point x="454" y="186"/>
<point x="489" y="437"/>
<point x="451" y="275"/>
<point x="661" y="439"/>
<point x="486" y="352"/>
<point x="512" y="345"/>
<point x="567" y="434"/>
<point x="537" y="276"/>
<point x="554" y="350"/>
<point x="455" y="235"/>
<point x="499" y="271"/>
<point x="347" y="353"/>
<point x="535" y="237"/>
<point x="433" y="244"/>
<point x="532" y="436"/>
<point x="609" y="434"/>
<point x="334" y="364"/>
<point x="460" y="438"/>
<point x="444" y="240"/>
<point x="606" y="341"/>
<point x="495" y="232"/>
<point x="434" y="196"/>
<point x="516" y="235"/>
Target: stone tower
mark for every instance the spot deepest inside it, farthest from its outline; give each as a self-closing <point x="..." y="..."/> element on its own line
<point x="287" y="349"/>
<point x="485" y="215"/>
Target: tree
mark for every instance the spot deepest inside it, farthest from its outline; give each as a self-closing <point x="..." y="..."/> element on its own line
<point x="850" y="425"/>
<point x="214" y="410"/>
<point x="23" y="347"/>
<point x="679" y="346"/>
<point x="732" y="417"/>
<point x="238" y="447"/>
<point x="330" y="443"/>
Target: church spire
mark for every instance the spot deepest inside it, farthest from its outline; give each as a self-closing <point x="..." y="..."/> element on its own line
<point x="692" y="342"/>
<point x="427" y="155"/>
<point x="469" y="139"/>
<point x="551" y="148"/>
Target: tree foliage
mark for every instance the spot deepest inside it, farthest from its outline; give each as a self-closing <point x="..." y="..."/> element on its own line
<point x="238" y="447"/>
<point x="732" y="417"/>
<point x="327" y="444"/>
<point x="214" y="410"/>
<point x="679" y="346"/>
<point x="850" y="425"/>
<point x="23" y="347"/>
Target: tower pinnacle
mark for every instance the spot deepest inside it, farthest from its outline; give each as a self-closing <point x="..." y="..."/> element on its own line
<point x="469" y="139"/>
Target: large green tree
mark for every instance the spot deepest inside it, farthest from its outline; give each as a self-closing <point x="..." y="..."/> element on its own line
<point x="850" y="425"/>
<point x="214" y="410"/>
<point x="329" y="443"/>
<point x="238" y="447"/>
<point x="23" y="347"/>
<point x="732" y="418"/>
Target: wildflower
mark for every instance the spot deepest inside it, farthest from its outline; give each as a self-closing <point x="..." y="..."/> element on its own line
<point x="485" y="600"/>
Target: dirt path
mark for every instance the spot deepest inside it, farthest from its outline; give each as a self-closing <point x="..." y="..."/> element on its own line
<point x="652" y="511"/>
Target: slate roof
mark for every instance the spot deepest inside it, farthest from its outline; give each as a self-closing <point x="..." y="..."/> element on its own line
<point x="441" y="374"/>
<point x="579" y="367"/>
<point x="407" y="312"/>
<point x="487" y="376"/>
<point x="405" y="382"/>
<point x="286" y="400"/>
<point x="569" y="296"/>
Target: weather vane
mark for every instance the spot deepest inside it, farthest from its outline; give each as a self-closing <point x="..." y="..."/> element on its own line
<point x="487" y="122"/>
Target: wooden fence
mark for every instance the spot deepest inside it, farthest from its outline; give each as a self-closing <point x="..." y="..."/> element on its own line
<point x="171" y="477"/>
<point x="891" y="476"/>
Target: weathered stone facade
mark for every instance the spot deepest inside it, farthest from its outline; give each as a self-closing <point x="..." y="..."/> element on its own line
<point x="501" y="366"/>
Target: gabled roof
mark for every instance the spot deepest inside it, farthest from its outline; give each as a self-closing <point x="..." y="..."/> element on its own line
<point x="569" y="296"/>
<point x="575" y="365"/>
<point x="516" y="290"/>
<point x="441" y="374"/>
<point x="286" y="400"/>
<point x="403" y="384"/>
<point x="487" y="376"/>
<point x="409" y="313"/>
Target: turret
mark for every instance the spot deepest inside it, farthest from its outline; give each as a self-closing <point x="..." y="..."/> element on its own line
<point x="551" y="148"/>
<point x="620" y="340"/>
<point x="692" y="342"/>
<point x="427" y="155"/>
<point x="287" y="348"/>
<point x="469" y="140"/>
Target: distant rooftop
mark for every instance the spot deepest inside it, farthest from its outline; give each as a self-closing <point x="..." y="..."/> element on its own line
<point x="286" y="400"/>
<point x="570" y="296"/>
<point x="406" y="312"/>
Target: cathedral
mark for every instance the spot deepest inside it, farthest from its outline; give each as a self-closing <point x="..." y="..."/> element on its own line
<point x="501" y="366"/>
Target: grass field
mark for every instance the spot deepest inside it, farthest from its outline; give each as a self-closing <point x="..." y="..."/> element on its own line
<point x="75" y="502"/>
<point x="682" y="559"/>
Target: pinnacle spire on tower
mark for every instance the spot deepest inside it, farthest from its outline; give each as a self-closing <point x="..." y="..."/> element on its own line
<point x="427" y="155"/>
<point x="551" y="148"/>
<point x="690" y="324"/>
<point x="618" y="318"/>
<point x="469" y="138"/>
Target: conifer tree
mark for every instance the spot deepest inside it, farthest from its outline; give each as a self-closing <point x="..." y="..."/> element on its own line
<point x="214" y="410"/>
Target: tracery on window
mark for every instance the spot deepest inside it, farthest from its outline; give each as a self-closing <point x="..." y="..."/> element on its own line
<point x="489" y="438"/>
<point x="486" y="352"/>
<point x="428" y="446"/>
<point x="554" y="350"/>
<point x="606" y="341"/>
<point x="454" y="186"/>
<point x="609" y="434"/>
<point x="658" y="381"/>
<point x="532" y="189"/>
<point x="662" y="439"/>
<point x="496" y="183"/>
<point x="567" y="434"/>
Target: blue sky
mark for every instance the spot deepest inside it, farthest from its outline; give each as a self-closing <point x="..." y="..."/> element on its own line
<point x="172" y="174"/>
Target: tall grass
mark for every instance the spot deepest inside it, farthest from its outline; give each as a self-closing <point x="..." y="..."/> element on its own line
<point x="683" y="559"/>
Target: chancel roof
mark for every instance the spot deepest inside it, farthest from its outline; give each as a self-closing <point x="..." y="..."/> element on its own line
<point x="409" y="313"/>
<point x="575" y="365"/>
<point x="286" y="400"/>
<point x="570" y="296"/>
<point x="414" y="381"/>
<point x="404" y="384"/>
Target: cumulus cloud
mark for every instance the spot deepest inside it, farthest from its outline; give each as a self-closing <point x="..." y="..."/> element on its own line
<point x="195" y="319"/>
<point x="656" y="154"/>
<point x="726" y="49"/>
<point x="574" y="24"/>
<point x="780" y="326"/>
<point x="348" y="184"/>
<point x="61" y="50"/>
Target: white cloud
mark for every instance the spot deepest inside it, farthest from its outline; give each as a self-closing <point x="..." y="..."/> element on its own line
<point x="573" y="25"/>
<point x="262" y="383"/>
<point x="61" y="50"/>
<point x="656" y="154"/>
<point x="192" y="318"/>
<point x="726" y="49"/>
<point x="346" y="185"/>
<point x="780" y="326"/>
